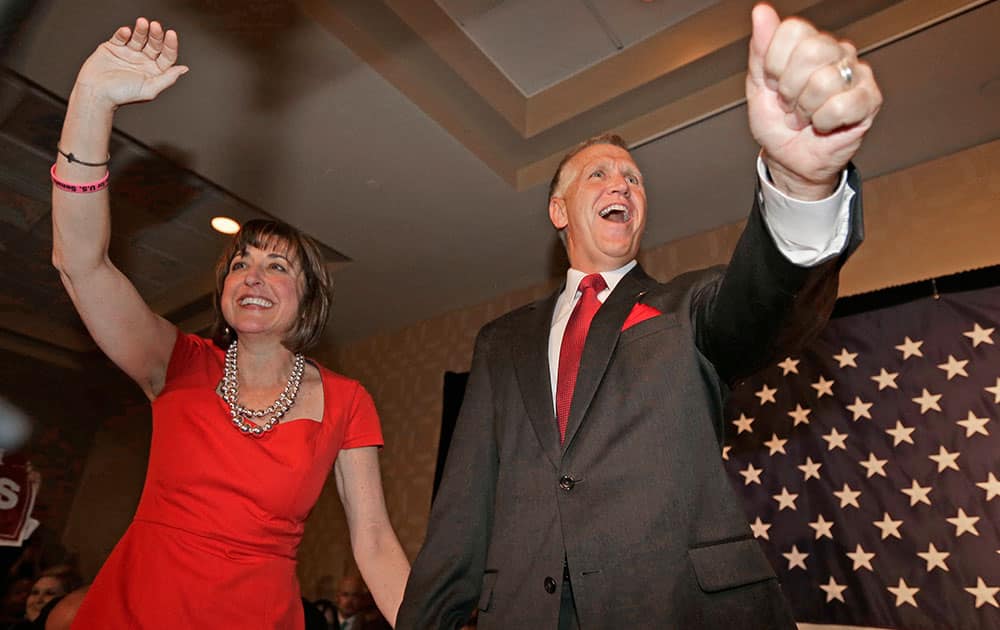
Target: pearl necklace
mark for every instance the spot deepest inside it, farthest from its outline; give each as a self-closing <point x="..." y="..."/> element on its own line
<point x="241" y="415"/>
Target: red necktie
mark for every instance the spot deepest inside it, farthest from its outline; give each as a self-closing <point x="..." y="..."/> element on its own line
<point x="572" y="346"/>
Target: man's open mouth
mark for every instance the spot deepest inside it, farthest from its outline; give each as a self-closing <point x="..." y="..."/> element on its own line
<point x="619" y="213"/>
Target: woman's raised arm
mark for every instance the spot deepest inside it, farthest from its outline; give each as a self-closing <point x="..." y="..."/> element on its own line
<point x="135" y="65"/>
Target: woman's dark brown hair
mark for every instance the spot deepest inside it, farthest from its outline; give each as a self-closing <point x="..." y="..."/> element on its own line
<point x="67" y="576"/>
<point x="314" y="307"/>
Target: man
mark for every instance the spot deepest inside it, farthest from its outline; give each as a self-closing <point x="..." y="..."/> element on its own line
<point x="355" y="607"/>
<point x="584" y="486"/>
<point x="349" y="599"/>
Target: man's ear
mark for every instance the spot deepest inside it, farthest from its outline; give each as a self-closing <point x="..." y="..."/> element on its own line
<point x="557" y="212"/>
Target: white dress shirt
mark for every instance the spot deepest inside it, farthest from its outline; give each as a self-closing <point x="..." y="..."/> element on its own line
<point x="806" y="232"/>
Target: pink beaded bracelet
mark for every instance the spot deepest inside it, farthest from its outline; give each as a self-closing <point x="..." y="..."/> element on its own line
<point x="89" y="187"/>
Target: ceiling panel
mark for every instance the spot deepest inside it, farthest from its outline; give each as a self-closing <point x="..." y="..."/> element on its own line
<point x="632" y="21"/>
<point x="538" y="44"/>
<point x="554" y="39"/>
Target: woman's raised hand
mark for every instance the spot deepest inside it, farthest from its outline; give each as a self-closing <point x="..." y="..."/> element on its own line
<point x="135" y="65"/>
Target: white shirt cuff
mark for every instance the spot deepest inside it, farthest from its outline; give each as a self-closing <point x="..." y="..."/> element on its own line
<point x="806" y="232"/>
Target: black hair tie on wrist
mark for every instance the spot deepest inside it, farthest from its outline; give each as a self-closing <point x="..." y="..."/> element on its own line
<point x="72" y="158"/>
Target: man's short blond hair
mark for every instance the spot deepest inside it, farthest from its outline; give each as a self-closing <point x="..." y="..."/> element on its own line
<point x="605" y="138"/>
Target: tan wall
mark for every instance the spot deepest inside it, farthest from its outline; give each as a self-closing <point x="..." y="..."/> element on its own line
<point x="927" y="221"/>
<point x="930" y="220"/>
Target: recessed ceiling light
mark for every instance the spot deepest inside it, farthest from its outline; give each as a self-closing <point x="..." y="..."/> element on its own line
<point x="225" y="225"/>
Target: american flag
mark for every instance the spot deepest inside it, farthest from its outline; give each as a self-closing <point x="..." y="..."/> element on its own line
<point x="869" y="465"/>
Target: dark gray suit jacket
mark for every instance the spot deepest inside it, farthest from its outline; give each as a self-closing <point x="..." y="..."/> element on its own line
<point x="636" y="500"/>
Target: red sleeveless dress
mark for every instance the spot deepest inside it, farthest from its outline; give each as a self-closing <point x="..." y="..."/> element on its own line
<point x="214" y="538"/>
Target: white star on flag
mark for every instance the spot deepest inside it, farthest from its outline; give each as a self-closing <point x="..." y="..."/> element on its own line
<point x="904" y="593"/>
<point x="860" y="409"/>
<point x="751" y="474"/>
<point x="822" y="527"/>
<point x="928" y="401"/>
<point x="934" y="558"/>
<point x="824" y="387"/>
<point x="795" y="558"/>
<point x="995" y="390"/>
<point x="910" y="348"/>
<point x="874" y="466"/>
<point x="800" y="415"/>
<point x="945" y="459"/>
<point x="954" y="367"/>
<point x="775" y="445"/>
<point x="979" y="335"/>
<point x="845" y="358"/>
<point x="766" y="394"/>
<point x="811" y="469"/>
<point x="789" y="366"/>
<point x="725" y="452"/>
<point x="759" y="529"/>
<point x="901" y="434"/>
<point x="743" y="424"/>
<point x="984" y="594"/>
<point x="964" y="523"/>
<point x="833" y="590"/>
<point x="886" y="379"/>
<point x="835" y="440"/>
<point x="974" y="425"/>
<point x="848" y="496"/>
<point x="991" y="486"/>
<point x="785" y="499"/>
<point x="889" y="527"/>
<point x="861" y="558"/>
<point x="917" y="493"/>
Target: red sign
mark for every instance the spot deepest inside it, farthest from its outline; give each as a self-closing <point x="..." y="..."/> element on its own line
<point x="18" y="489"/>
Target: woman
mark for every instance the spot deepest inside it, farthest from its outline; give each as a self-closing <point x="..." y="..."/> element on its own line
<point x="245" y="429"/>
<point x="53" y="583"/>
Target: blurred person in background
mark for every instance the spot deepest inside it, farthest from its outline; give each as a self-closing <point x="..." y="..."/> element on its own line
<point x="53" y="583"/>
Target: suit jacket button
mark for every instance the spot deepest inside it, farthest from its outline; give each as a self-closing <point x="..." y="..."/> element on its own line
<point x="550" y="585"/>
<point x="566" y="483"/>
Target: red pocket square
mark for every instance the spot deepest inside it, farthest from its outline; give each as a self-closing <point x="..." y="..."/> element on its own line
<point x="640" y="313"/>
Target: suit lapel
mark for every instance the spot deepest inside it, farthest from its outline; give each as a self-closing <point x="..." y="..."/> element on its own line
<point x="601" y="341"/>
<point x="531" y="364"/>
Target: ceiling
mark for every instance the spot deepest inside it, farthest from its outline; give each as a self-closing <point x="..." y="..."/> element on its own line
<point x="414" y="138"/>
